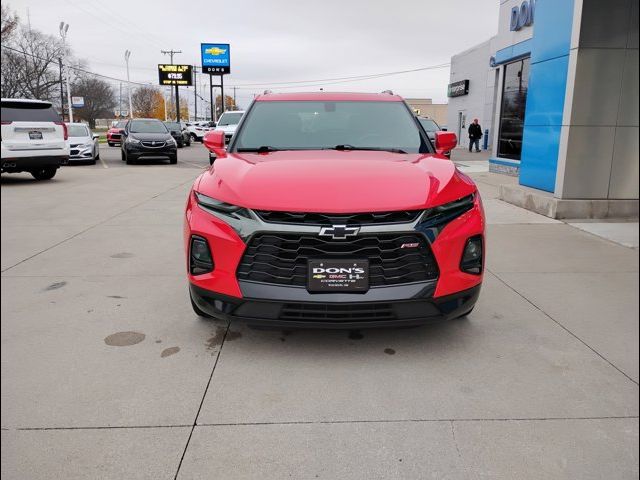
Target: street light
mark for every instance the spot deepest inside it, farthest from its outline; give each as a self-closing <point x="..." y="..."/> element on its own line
<point x="64" y="27"/>
<point x="127" y="54"/>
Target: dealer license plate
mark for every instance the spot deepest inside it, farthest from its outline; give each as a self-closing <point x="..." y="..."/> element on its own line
<point x="338" y="276"/>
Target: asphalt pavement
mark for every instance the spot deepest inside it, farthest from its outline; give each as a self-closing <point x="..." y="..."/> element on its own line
<point x="107" y="372"/>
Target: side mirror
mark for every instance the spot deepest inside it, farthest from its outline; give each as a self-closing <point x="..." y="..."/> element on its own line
<point x="214" y="142"/>
<point x="95" y="136"/>
<point x="445" y="142"/>
<point x="444" y="129"/>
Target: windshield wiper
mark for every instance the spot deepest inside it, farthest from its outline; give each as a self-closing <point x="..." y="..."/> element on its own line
<point x="261" y="149"/>
<point x="346" y="146"/>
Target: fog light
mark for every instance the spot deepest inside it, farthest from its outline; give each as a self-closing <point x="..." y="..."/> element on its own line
<point x="472" y="256"/>
<point x="200" y="260"/>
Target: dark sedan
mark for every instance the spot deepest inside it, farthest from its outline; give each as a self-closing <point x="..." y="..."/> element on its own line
<point x="147" y="138"/>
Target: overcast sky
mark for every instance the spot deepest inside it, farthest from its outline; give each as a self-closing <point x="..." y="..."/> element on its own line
<point x="275" y="40"/>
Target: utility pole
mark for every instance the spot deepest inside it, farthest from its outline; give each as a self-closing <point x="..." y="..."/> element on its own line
<point x="127" y="54"/>
<point x="213" y="102"/>
<point x="64" y="28"/>
<point x="195" y="94"/>
<point x="171" y="53"/>
<point x="61" y="90"/>
<point x="120" y="102"/>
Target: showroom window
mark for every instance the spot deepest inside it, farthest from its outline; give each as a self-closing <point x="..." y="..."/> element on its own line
<point x="514" y="100"/>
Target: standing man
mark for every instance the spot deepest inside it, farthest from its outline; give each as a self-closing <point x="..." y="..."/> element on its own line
<point x="475" y="134"/>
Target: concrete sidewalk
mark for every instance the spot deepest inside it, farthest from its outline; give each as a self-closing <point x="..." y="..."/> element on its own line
<point x="107" y="373"/>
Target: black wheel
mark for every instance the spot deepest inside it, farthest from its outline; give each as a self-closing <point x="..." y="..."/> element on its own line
<point x="173" y="159"/>
<point x="97" y="157"/>
<point x="211" y="159"/>
<point x="193" y="137"/>
<point x="122" y="155"/>
<point x="180" y="143"/>
<point x="197" y="310"/>
<point x="188" y="141"/>
<point x="44" y="173"/>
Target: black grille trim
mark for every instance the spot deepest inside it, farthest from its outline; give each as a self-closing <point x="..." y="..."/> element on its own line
<point x="282" y="258"/>
<point x="368" y="218"/>
<point x="337" y="313"/>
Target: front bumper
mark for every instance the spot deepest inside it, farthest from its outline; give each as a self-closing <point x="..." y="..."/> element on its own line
<point x="221" y="294"/>
<point x="81" y="154"/>
<point x="135" y="151"/>
<point x="291" y="307"/>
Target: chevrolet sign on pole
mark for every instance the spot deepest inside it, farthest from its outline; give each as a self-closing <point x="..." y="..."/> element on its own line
<point x="175" y="75"/>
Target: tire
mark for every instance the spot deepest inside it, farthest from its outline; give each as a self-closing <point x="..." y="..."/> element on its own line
<point x="188" y="142"/>
<point x="44" y="173"/>
<point x="211" y="159"/>
<point x="173" y="159"/>
<point x="180" y="143"/>
<point x="122" y="155"/>
<point x="197" y="310"/>
<point x="193" y="137"/>
<point x="97" y="157"/>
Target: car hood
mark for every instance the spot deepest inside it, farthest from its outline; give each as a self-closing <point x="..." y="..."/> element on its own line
<point x="334" y="181"/>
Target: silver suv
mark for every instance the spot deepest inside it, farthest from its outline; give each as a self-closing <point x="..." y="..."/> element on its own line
<point x="34" y="138"/>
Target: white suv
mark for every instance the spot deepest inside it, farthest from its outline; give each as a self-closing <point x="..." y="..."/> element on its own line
<point x="196" y="130"/>
<point x="228" y="122"/>
<point x="34" y="138"/>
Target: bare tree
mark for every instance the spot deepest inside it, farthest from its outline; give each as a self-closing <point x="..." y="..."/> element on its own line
<point x="99" y="99"/>
<point x="146" y="101"/>
<point x="8" y="23"/>
<point x="30" y="65"/>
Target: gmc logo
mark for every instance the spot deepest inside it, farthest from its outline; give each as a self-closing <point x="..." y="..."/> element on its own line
<point x="339" y="232"/>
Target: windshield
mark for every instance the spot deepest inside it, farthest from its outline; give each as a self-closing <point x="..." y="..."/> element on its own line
<point x="343" y="125"/>
<point x="429" y="125"/>
<point x="120" y="124"/>
<point x="78" y="131"/>
<point x="147" y="126"/>
<point x="229" y="119"/>
<point x="173" y="125"/>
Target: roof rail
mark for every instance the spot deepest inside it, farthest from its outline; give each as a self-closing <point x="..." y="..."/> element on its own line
<point x="388" y="92"/>
<point x="267" y="92"/>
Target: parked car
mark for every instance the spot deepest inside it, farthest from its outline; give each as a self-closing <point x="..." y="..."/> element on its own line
<point x="34" y="138"/>
<point x="228" y="122"/>
<point x="147" y="138"/>
<point x="115" y="132"/>
<point x="196" y="131"/>
<point x="430" y="126"/>
<point x="83" y="145"/>
<point x="179" y="133"/>
<point x="333" y="210"/>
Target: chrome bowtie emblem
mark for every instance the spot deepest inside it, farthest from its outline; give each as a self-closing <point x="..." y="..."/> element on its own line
<point x="339" y="232"/>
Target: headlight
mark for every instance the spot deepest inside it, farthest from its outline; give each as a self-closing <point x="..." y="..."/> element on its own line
<point x="172" y="141"/>
<point x="132" y="140"/>
<point x="216" y="205"/>
<point x="242" y="220"/>
<point x="434" y="219"/>
<point x="87" y="145"/>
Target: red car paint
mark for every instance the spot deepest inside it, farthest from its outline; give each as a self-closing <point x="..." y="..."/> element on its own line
<point x="330" y="181"/>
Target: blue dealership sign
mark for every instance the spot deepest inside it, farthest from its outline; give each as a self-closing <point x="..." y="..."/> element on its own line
<point x="216" y="58"/>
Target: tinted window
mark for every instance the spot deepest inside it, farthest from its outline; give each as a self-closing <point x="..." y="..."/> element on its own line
<point x="323" y="124"/>
<point x="147" y="126"/>
<point x="514" y="100"/>
<point x="172" y="125"/>
<point x="28" y="112"/>
<point x="78" y="131"/>
<point x="228" y="119"/>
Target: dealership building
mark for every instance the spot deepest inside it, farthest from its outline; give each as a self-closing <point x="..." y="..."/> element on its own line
<point x="556" y="93"/>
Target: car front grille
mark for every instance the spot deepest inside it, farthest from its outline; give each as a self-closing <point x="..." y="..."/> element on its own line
<point x="373" y="218"/>
<point x="281" y="258"/>
<point x="156" y="144"/>
<point x="115" y="136"/>
<point x="341" y="312"/>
